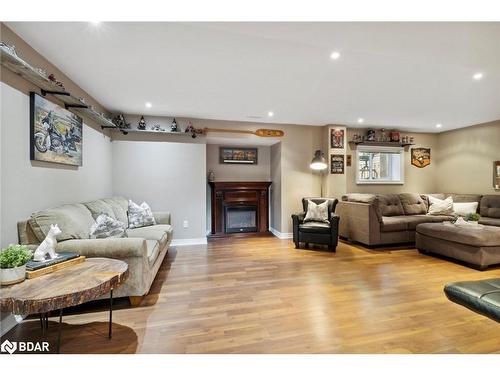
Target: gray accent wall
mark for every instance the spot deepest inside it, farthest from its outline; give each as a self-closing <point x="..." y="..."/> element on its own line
<point x="169" y="176"/>
<point x="28" y="186"/>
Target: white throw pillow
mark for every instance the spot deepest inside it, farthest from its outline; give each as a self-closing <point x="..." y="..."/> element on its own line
<point x="440" y="206"/>
<point x="139" y="216"/>
<point x="316" y="212"/>
<point x="107" y="227"/>
<point x="465" y="208"/>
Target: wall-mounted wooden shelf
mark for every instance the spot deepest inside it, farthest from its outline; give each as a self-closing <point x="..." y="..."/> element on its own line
<point x="126" y="131"/>
<point x="381" y="144"/>
<point x="47" y="87"/>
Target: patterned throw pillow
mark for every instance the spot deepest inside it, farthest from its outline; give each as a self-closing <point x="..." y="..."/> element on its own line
<point x="139" y="216"/>
<point x="317" y="212"/>
<point x="107" y="227"/>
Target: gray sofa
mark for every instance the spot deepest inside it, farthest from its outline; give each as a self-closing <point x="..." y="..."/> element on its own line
<point x="386" y="219"/>
<point x="143" y="250"/>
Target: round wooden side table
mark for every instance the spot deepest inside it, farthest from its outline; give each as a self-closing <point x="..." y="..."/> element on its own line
<point x="67" y="287"/>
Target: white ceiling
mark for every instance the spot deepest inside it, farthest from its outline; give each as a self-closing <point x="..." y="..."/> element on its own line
<point x="405" y="75"/>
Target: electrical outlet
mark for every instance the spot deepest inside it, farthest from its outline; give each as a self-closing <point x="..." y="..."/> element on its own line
<point x="185" y="224"/>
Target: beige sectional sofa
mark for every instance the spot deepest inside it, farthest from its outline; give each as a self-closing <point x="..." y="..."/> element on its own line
<point x="144" y="249"/>
<point x="386" y="219"/>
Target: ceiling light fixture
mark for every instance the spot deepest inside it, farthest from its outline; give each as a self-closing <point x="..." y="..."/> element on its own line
<point x="439" y="125"/>
<point x="148" y="105"/>
<point x="335" y="55"/>
<point x="477" y="76"/>
<point x="270" y="113"/>
<point x="361" y="120"/>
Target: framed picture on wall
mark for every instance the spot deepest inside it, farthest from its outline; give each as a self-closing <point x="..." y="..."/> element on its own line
<point x="337" y="138"/>
<point x="420" y="157"/>
<point x="337" y="164"/>
<point x="56" y="134"/>
<point x="238" y="155"/>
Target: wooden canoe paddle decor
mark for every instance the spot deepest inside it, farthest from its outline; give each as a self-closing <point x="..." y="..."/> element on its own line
<point x="258" y="132"/>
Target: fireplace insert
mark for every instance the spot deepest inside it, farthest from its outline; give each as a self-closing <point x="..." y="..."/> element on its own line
<point x="240" y="219"/>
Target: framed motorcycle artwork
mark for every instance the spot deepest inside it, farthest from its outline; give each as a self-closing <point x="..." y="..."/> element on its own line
<point x="56" y="133"/>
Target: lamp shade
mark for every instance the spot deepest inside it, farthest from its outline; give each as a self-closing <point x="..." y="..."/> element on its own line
<point x="318" y="163"/>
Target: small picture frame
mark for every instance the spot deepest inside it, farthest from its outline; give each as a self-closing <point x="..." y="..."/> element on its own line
<point x="337" y="137"/>
<point x="238" y="155"/>
<point x="337" y="164"/>
<point x="348" y="160"/>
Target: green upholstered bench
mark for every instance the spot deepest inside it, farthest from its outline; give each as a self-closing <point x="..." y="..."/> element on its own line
<point x="482" y="296"/>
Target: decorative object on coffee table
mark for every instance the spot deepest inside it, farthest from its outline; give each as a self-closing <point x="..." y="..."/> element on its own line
<point x="142" y="124"/>
<point x="13" y="261"/>
<point x="337" y="164"/>
<point x="420" y="157"/>
<point x="48" y="245"/>
<point x="68" y="287"/>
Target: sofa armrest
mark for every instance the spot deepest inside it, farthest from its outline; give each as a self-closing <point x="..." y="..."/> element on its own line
<point x="162" y="217"/>
<point x="116" y="248"/>
<point x="359" y="222"/>
<point x="298" y="218"/>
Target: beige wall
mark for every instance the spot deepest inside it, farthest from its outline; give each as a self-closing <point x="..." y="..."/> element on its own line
<point x="237" y="172"/>
<point x="417" y="180"/>
<point x="466" y="159"/>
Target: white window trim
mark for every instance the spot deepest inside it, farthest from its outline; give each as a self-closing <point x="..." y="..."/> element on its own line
<point x="361" y="148"/>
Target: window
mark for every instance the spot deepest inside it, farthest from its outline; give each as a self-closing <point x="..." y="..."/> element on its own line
<point x="379" y="165"/>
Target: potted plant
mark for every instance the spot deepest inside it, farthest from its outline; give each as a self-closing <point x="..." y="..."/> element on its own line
<point x="473" y="218"/>
<point x="13" y="261"/>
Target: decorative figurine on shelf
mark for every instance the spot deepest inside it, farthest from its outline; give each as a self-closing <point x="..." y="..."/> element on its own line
<point x="383" y="135"/>
<point x="411" y="139"/>
<point x="405" y="139"/>
<point x="191" y="129"/>
<point x="173" y="127"/>
<point x="48" y="246"/>
<point x="52" y="78"/>
<point x="157" y="128"/>
<point x="119" y="121"/>
<point x="370" y="135"/>
<point x="42" y="72"/>
<point x="394" y="136"/>
<point x="142" y="124"/>
<point x="211" y="176"/>
<point x="10" y="49"/>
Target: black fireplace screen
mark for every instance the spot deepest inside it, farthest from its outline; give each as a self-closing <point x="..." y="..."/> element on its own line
<point x="241" y="219"/>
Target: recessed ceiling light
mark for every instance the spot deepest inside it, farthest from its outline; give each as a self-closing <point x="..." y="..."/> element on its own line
<point x="439" y="125"/>
<point x="335" y="55"/>
<point x="270" y="113"/>
<point x="148" y="105"/>
<point x="361" y="120"/>
<point x="477" y="76"/>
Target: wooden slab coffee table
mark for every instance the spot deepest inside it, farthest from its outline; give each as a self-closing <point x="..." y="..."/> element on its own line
<point x="67" y="287"/>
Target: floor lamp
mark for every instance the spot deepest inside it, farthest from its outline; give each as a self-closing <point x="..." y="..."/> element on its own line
<point x="318" y="163"/>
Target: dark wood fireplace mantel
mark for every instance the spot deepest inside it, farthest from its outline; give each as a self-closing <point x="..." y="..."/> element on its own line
<point x="254" y="194"/>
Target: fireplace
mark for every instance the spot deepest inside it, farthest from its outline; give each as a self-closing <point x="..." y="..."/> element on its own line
<point x="239" y="219"/>
<point x="239" y="207"/>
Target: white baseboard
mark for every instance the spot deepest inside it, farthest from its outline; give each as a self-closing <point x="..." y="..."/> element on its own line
<point x="189" y="241"/>
<point x="281" y="236"/>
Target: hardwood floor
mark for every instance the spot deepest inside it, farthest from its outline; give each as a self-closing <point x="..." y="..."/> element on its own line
<point x="260" y="295"/>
